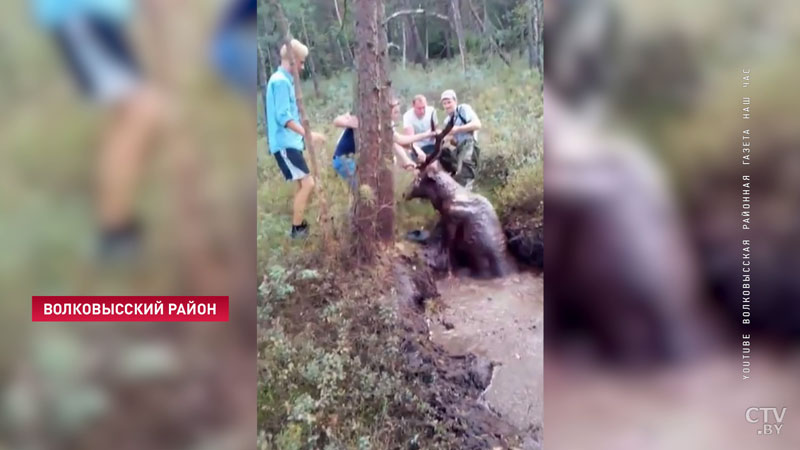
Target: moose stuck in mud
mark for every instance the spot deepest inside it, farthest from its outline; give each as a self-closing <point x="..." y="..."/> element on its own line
<point x="469" y="232"/>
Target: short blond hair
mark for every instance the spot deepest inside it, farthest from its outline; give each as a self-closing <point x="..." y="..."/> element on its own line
<point x="300" y="50"/>
<point x="419" y="98"/>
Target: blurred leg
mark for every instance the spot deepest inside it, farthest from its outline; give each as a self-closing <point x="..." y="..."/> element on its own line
<point x="305" y="186"/>
<point x="121" y="157"/>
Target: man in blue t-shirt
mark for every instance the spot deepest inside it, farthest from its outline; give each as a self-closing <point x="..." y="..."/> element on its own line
<point x="285" y="132"/>
<point x="91" y="37"/>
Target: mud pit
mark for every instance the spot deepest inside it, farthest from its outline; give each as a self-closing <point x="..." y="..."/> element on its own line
<point x="500" y="320"/>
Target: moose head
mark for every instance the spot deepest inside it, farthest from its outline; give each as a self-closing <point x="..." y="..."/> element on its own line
<point x="431" y="181"/>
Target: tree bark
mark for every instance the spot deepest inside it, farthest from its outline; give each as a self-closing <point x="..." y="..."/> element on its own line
<point x="405" y="46"/>
<point x="447" y="52"/>
<point x="417" y="54"/>
<point x="538" y="10"/>
<point x="334" y="38"/>
<point x="309" y="141"/>
<point x="341" y="33"/>
<point x="386" y="211"/>
<point x="415" y="11"/>
<point x="262" y="81"/>
<point x="530" y="35"/>
<point x="427" y="44"/>
<point x="456" y="14"/>
<point x="373" y="209"/>
<point x="311" y="64"/>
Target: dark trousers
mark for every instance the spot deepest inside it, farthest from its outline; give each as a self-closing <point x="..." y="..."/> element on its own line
<point x="462" y="161"/>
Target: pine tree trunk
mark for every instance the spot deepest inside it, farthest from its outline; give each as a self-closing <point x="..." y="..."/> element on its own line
<point x="311" y="64"/>
<point x="373" y="209"/>
<point x="418" y="55"/>
<point x="427" y="45"/>
<point x="262" y="81"/>
<point x="405" y="45"/>
<point x="456" y="15"/>
<point x="342" y="33"/>
<point x="538" y="11"/>
<point x="530" y="40"/>
<point x="447" y="53"/>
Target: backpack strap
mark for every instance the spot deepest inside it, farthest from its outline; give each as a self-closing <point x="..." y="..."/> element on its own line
<point x="461" y="116"/>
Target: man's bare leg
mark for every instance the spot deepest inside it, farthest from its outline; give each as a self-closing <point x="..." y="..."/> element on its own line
<point x="121" y="157"/>
<point x="304" y="188"/>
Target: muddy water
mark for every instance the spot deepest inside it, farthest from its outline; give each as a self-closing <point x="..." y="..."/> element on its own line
<point x="501" y="320"/>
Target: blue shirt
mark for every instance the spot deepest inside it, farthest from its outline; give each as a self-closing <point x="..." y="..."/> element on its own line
<point x="346" y="144"/>
<point x="281" y="107"/>
<point x="464" y="111"/>
<point x="239" y="13"/>
<point x="52" y="13"/>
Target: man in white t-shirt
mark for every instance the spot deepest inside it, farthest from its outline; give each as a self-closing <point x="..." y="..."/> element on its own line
<point x="417" y="120"/>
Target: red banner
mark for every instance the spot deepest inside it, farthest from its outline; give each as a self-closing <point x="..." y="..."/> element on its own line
<point x="129" y="309"/>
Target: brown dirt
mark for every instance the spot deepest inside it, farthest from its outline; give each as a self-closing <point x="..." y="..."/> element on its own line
<point x="501" y="320"/>
<point x="480" y="359"/>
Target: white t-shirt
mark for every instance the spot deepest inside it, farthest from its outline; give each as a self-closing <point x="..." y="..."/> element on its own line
<point x="422" y="125"/>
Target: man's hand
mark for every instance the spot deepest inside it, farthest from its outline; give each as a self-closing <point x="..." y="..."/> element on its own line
<point x="296" y="127"/>
<point x="318" y="138"/>
<point x="420" y="154"/>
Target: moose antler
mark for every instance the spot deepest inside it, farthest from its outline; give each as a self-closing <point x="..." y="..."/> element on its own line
<point x="437" y="144"/>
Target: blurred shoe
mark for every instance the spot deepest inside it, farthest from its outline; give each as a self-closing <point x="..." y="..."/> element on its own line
<point x="120" y="245"/>
<point x="300" y="231"/>
<point x="420" y="236"/>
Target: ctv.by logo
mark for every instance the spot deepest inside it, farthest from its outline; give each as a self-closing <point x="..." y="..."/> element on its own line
<point x="763" y="415"/>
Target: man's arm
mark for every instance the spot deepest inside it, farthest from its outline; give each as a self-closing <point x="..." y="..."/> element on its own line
<point x="282" y="108"/>
<point x="408" y="140"/>
<point x="346" y="121"/>
<point x="402" y="157"/>
<point x="473" y="125"/>
<point x="408" y="129"/>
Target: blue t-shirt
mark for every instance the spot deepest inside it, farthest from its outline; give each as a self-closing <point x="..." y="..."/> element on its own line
<point x="52" y="13"/>
<point x="346" y="144"/>
<point x="239" y="13"/>
<point x="281" y="107"/>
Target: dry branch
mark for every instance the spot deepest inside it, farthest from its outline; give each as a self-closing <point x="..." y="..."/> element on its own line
<point x="404" y="12"/>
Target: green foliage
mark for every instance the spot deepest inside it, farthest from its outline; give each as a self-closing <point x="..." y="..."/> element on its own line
<point x="332" y="43"/>
<point x="523" y="192"/>
<point x="337" y="381"/>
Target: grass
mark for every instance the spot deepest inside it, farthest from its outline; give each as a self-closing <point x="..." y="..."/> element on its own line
<point x="331" y="373"/>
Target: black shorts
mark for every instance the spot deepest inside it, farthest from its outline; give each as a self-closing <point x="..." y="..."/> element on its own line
<point x="98" y="55"/>
<point x="292" y="164"/>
